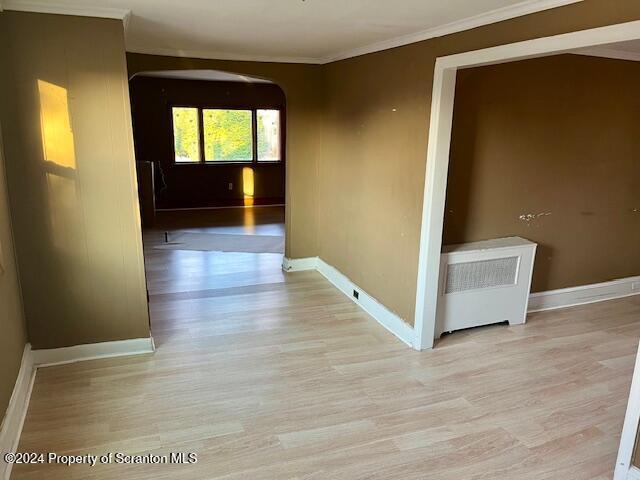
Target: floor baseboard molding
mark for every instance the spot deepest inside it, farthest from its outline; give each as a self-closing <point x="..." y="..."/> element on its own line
<point x="92" y="351"/>
<point x="584" y="294"/>
<point x="17" y="410"/>
<point x="369" y="304"/>
<point x="299" y="264"/>
<point x="32" y="360"/>
<point x="538" y="302"/>
<point x="385" y="317"/>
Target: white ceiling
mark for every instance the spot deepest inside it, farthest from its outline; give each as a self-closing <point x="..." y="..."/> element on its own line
<point x="310" y="31"/>
<point x="622" y="51"/>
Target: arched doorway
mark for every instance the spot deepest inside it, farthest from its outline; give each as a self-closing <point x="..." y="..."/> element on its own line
<point x="210" y="151"/>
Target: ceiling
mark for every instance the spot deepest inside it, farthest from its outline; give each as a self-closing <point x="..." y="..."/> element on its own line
<point x="309" y="31"/>
<point x="622" y="51"/>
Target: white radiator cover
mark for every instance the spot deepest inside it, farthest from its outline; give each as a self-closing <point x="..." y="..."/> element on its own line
<point x="484" y="282"/>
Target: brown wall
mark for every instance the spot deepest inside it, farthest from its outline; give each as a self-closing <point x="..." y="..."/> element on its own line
<point x="187" y="186"/>
<point x="357" y="135"/>
<point x="549" y="149"/>
<point x="303" y="89"/>
<point x="375" y="141"/>
<point x="13" y="337"/>
<point x="71" y="177"/>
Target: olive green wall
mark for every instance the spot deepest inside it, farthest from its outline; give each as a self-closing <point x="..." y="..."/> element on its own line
<point x="13" y="337"/>
<point x="549" y="149"/>
<point x="71" y="177"/>
<point x="371" y="174"/>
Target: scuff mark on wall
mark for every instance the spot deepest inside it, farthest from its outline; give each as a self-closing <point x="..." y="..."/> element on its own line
<point x="529" y="218"/>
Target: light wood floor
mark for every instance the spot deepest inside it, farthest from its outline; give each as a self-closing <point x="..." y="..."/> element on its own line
<point x="282" y="377"/>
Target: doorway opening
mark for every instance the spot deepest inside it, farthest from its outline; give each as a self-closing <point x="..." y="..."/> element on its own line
<point x="439" y="146"/>
<point x="210" y="154"/>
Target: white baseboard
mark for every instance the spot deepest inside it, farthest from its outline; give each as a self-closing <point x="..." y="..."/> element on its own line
<point x="540" y="301"/>
<point x="92" y="351"/>
<point x="34" y="359"/>
<point x="17" y="410"/>
<point x="299" y="264"/>
<point x="597" y="292"/>
<point x="378" y="311"/>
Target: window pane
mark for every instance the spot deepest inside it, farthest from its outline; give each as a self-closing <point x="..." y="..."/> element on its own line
<point x="268" y="135"/>
<point x="227" y="135"/>
<point x="186" y="144"/>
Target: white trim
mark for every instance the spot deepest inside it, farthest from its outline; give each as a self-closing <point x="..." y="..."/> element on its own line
<point x="92" y="351"/>
<point x="435" y="194"/>
<point x="584" y="294"/>
<point x="493" y="16"/>
<point x="17" y="410"/>
<point x="610" y="53"/>
<point x="369" y="304"/>
<point x="299" y="264"/>
<point x="32" y="360"/>
<point x="634" y="473"/>
<point x="624" y="469"/>
<point x="40" y="6"/>
<point x="373" y="307"/>
<point x="213" y="55"/>
<point x="444" y="79"/>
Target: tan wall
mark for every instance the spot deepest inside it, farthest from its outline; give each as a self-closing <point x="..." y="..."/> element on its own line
<point x="13" y="337"/>
<point x="303" y="88"/>
<point x="375" y="141"/>
<point x="71" y="176"/>
<point x="356" y="145"/>
<point x="556" y="140"/>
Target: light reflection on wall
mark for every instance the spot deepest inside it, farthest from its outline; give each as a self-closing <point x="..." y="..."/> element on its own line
<point x="59" y="167"/>
<point x="247" y="186"/>
<point x="248" y="189"/>
<point x="57" y="137"/>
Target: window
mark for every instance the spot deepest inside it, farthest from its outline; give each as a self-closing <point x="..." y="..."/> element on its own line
<point x="216" y="136"/>
<point x="268" y="135"/>
<point x="186" y="141"/>
<point x="228" y="135"/>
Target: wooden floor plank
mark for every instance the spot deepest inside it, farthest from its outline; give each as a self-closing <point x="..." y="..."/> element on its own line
<point x="273" y="376"/>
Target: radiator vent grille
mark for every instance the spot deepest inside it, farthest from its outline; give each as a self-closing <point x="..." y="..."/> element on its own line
<point x="481" y="274"/>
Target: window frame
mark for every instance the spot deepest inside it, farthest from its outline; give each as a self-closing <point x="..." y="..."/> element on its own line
<point x="254" y="136"/>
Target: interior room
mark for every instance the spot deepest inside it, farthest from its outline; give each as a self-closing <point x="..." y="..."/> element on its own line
<point x="262" y="240"/>
<point x="211" y="183"/>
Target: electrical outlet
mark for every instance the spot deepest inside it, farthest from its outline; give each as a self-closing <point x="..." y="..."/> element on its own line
<point x="356" y="294"/>
<point x="230" y="186"/>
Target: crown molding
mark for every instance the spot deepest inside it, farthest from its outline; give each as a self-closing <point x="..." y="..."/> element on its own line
<point x="213" y="55"/>
<point x="520" y="9"/>
<point x="40" y="6"/>
<point x="505" y="13"/>
<point x="609" y="53"/>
